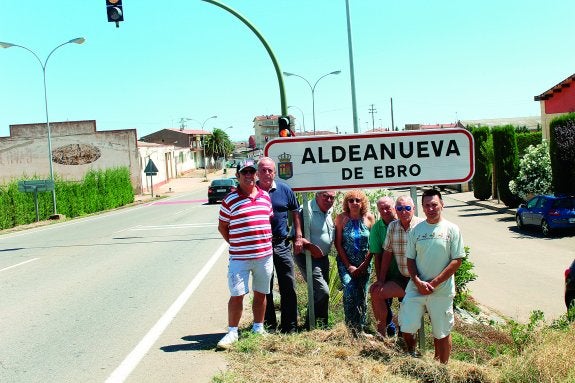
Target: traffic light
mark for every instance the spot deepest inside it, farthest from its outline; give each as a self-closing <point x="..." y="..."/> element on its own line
<point x="284" y="127"/>
<point x="115" y="11"/>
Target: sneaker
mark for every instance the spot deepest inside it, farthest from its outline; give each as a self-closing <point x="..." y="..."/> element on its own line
<point x="261" y="331"/>
<point x="226" y="342"/>
<point x="414" y="354"/>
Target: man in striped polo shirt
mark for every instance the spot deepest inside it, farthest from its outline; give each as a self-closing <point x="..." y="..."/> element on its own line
<point x="244" y="222"/>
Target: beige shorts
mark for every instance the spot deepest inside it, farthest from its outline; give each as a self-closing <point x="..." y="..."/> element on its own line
<point x="439" y="308"/>
<point x="239" y="275"/>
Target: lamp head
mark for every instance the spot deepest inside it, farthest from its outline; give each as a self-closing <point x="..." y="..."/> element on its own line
<point x="5" y="45"/>
<point x="336" y="72"/>
<point x="77" y="40"/>
<point x="288" y="74"/>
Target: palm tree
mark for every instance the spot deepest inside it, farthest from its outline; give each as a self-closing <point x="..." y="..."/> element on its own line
<point x="218" y="144"/>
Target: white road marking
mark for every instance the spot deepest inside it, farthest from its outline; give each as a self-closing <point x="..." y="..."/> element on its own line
<point x="18" y="264"/>
<point x="133" y="359"/>
<point x="171" y="227"/>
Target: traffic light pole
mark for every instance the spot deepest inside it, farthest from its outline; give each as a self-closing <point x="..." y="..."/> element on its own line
<point x="268" y="49"/>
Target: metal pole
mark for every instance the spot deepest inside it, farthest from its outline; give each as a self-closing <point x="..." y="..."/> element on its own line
<point x="392" y="123"/>
<point x="312" y="90"/>
<point x="308" y="267"/>
<point x="268" y="49"/>
<point x="351" y="69"/>
<point x="421" y="332"/>
<point x="78" y="40"/>
<point x="204" y="148"/>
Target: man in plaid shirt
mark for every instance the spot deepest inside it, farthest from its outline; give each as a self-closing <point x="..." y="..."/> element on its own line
<point x="395" y="246"/>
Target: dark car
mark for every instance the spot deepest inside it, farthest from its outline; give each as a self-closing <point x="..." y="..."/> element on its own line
<point x="549" y="212"/>
<point x="570" y="285"/>
<point x="220" y="188"/>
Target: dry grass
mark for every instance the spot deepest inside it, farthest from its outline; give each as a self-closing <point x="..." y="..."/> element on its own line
<point x="334" y="356"/>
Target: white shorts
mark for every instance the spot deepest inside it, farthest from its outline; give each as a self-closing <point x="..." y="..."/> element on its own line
<point x="439" y="308"/>
<point x="239" y="275"/>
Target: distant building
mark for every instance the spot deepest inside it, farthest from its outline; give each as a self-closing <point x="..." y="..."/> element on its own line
<point x="181" y="138"/>
<point x="77" y="147"/>
<point x="457" y="124"/>
<point x="556" y="101"/>
<point x="531" y="123"/>
<point x="266" y="128"/>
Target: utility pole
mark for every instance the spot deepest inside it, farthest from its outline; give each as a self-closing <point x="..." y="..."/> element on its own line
<point x="372" y="111"/>
<point x="392" y="125"/>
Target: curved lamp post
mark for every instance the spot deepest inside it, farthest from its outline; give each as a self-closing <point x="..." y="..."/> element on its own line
<point x="302" y="116"/>
<point x="78" y="40"/>
<point x="312" y="90"/>
<point x="204" y="148"/>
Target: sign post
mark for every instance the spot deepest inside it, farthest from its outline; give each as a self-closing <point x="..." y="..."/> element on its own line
<point x="360" y="161"/>
<point x="151" y="170"/>
<point x="374" y="160"/>
<point x="35" y="186"/>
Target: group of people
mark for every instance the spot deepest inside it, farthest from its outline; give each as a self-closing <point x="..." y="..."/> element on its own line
<point x="414" y="259"/>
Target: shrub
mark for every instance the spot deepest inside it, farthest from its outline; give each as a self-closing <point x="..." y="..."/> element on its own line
<point x="526" y="139"/>
<point x="505" y="162"/>
<point x="562" y="153"/>
<point x="534" y="172"/>
<point x="482" y="176"/>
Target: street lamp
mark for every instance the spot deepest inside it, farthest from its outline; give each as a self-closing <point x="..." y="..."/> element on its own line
<point x="78" y="40"/>
<point x="302" y="116"/>
<point x="312" y="90"/>
<point x="204" y="148"/>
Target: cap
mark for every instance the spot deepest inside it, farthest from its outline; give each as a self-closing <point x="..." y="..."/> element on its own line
<point x="248" y="163"/>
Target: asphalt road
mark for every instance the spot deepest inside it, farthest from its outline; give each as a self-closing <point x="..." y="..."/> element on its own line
<point x="134" y="295"/>
<point x="518" y="271"/>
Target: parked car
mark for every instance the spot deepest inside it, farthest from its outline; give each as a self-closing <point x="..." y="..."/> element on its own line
<point x="235" y="180"/>
<point x="220" y="188"/>
<point x="570" y="285"/>
<point x="549" y="212"/>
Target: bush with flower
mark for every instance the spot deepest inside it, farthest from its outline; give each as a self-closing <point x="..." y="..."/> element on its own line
<point x="534" y="172"/>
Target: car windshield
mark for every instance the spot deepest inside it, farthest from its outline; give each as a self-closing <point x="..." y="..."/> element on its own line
<point x="223" y="182"/>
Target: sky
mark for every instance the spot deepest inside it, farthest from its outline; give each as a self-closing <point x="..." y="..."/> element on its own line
<point x="439" y="61"/>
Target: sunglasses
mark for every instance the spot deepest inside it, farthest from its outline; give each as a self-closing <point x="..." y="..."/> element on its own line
<point x="328" y="197"/>
<point x="401" y="208"/>
<point x="248" y="171"/>
<point x="354" y="200"/>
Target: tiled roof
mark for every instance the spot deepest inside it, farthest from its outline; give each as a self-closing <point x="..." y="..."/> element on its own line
<point x="556" y="89"/>
<point x="191" y="131"/>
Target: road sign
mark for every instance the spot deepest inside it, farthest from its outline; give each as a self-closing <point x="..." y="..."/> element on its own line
<point x="151" y="169"/>
<point x="31" y="186"/>
<point x="407" y="158"/>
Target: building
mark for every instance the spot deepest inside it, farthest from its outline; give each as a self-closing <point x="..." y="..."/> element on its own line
<point x="266" y="128"/>
<point x="181" y="138"/>
<point x="457" y="124"/>
<point x="77" y="147"/>
<point x="556" y="101"/>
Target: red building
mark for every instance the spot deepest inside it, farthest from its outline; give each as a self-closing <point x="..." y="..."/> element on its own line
<point x="556" y="101"/>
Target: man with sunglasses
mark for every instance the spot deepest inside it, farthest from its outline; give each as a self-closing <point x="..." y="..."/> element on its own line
<point x="244" y="222"/>
<point x="319" y="230"/>
<point x="393" y="267"/>
<point x="284" y="204"/>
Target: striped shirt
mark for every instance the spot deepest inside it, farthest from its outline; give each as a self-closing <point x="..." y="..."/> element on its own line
<point x="396" y="242"/>
<point x="250" y="231"/>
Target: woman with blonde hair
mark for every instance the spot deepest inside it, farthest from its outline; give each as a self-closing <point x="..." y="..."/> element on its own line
<point x="353" y="257"/>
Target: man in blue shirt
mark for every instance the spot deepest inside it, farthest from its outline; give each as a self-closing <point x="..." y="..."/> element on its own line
<point x="284" y="203"/>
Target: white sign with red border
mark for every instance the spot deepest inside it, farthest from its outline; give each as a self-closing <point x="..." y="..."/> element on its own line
<point x="372" y="160"/>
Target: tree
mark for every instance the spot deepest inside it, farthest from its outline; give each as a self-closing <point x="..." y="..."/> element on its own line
<point x="506" y="162"/>
<point x="482" y="177"/>
<point x="218" y="144"/>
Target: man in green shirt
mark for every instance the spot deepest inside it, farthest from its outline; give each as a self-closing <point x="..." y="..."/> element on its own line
<point x="380" y="305"/>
